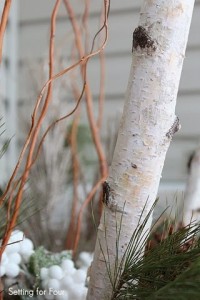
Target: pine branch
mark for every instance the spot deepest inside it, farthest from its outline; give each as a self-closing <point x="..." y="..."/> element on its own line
<point x="171" y="265"/>
<point x="185" y="286"/>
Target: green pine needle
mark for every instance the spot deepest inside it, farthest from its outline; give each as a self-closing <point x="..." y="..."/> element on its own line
<point x="4" y="148"/>
<point x="185" y="286"/>
<point x="168" y="271"/>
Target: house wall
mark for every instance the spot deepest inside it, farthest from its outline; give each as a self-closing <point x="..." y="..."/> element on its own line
<point x="8" y="94"/>
<point x="34" y="22"/>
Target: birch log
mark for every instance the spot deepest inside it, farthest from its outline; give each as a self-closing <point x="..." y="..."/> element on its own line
<point x="147" y="127"/>
<point x="191" y="206"/>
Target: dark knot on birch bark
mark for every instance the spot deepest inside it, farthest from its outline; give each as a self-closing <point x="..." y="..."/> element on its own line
<point x="142" y="39"/>
<point x="176" y="126"/>
<point x="106" y="193"/>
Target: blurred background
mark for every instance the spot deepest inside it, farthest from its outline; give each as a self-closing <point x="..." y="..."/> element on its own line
<point x="25" y="70"/>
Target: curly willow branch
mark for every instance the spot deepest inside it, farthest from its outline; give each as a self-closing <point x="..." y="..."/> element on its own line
<point x="12" y="221"/>
<point x="82" y="60"/>
<point x="89" y="101"/>
<point x="4" y="21"/>
<point x="36" y="126"/>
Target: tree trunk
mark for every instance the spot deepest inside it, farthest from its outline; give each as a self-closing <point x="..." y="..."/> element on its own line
<point x="191" y="208"/>
<point x="147" y="127"/>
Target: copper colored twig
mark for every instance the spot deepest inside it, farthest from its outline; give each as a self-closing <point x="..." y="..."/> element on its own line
<point x="89" y="101"/>
<point x="35" y="128"/>
<point x="54" y="124"/>
<point x="56" y="76"/>
<point x="102" y="85"/>
<point x="85" y="24"/>
<point x="13" y="220"/>
<point x="4" y="20"/>
<point x="83" y="206"/>
<point x="75" y="170"/>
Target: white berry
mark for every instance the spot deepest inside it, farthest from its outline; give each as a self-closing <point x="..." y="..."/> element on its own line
<point x="15" y="258"/>
<point x="4" y="258"/>
<point x="79" y="276"/>
<point x="16" y="236"/>
<point x="12" y="247"/>
<point x="26" y="246"/>
<point x="44" y="272"/>
<point x="56" y="272"/>
<point x="2" y="271"/>
<point x="54" y="284"/>
<point x="64" y="296"/>
<point x="12" y="270"/>
<point x="67" y="282"/>
<point x="68" y="266"/>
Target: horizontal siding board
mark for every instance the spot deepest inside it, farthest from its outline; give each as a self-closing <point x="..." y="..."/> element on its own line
<point x="194" y="37"/>
<point x="117" y="72"/>
<point x="41" y="10"/>
<point x="120" y="32"/>
<point x="33" y="46"/>
<point x="191" y="71"/>
<point x="34" y="39"/>
<point x="187" y="110"/>
<point x="175" y="167"/>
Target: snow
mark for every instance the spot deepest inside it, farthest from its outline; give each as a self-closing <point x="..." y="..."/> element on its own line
<point x="67" y="279"/>
<point x="63" y="297"/>
<point x="66" y="282"/>
<point x="11" y="257"/>
<point x="16" y="237"/>
<point x="59" y="282"/>
<point x="68" y="266"/>
<point x="15" y="258"/>
<point x="84" y="260"/>
<point x="56" y="272"/>
<point x="26" y="247"/>
<point x="12" y="270"/>
<point x="44" y="273"/>
<point x="12" y="248"/>
<point x="54" y="284"/>
<point x="4" y="258"/>
<point x="79" y="276"/>
<point x="2" y="271"/>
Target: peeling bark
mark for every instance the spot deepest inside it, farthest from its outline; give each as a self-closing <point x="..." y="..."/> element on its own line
<point x="147" y="127"/>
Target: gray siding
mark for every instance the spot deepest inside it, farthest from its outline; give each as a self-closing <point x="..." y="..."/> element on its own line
<point x="33" y="47"/>
<point x="8" y="93"/>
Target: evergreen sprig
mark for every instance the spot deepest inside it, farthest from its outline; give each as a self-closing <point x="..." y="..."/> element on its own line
<point x="171" y="270"/>
<point x="185" y="286"/>
<point x="27" y="208"/>
<point x="5" y="146"/>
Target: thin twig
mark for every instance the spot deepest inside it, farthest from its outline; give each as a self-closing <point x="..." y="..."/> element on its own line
<point x="89" y="101"/>
<point x="83" y="206"/>
<point x="102" y="86"/>
<point x="13" y="220"/>
<point x="75" y="168"/>
<point x="3" y="24"/>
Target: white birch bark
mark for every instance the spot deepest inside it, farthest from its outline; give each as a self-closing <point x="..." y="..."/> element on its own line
<point x="191" y="205"/>
<point x="147" y="126"/>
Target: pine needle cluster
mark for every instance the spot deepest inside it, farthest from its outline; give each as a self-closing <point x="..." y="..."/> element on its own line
<point x="170" y="270"/>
